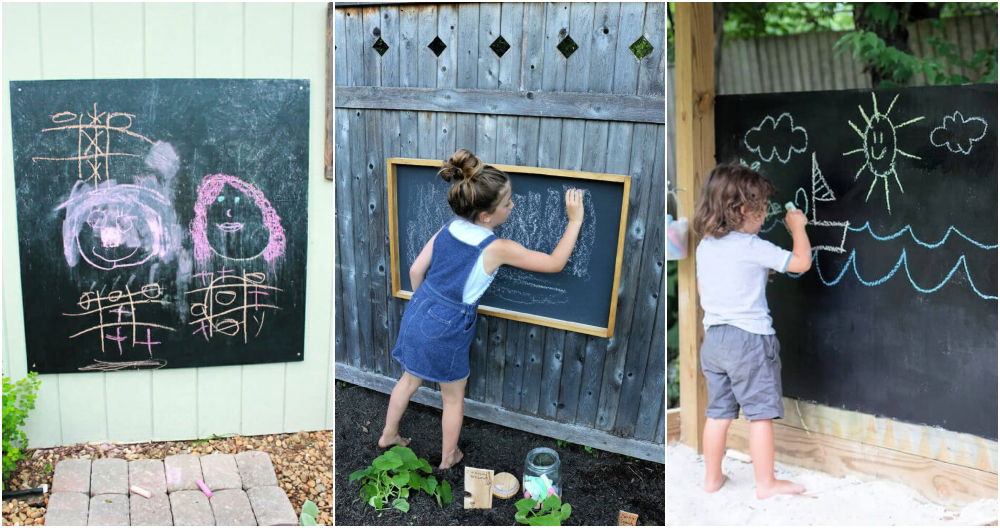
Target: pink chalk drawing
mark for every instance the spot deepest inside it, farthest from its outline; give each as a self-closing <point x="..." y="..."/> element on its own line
<point x="118" y="225"/>
<point x="232" y="230"/>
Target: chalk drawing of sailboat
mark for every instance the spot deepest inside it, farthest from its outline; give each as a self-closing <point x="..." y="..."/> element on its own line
<point x="821" y="192"/>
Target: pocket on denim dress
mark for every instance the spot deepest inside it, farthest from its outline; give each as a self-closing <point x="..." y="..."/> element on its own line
<point x="440" y="318"/>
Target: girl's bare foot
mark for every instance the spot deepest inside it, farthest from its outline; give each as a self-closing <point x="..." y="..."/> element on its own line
<point x="454" y="458"/>
<point x="779" y="487"/>
<point x="713" y="485"/>
<point x="389" y="441"/>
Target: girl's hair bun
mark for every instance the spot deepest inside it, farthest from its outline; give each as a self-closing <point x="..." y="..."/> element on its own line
<point x="462" y="165"/>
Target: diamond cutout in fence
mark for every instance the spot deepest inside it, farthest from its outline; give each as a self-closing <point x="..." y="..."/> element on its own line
<point x="380" y="46"/>
<point x="500" y="46"/>
<point x="567" y="46"/>
<point x="641" y="47"/>
<point x="437" y="46"/>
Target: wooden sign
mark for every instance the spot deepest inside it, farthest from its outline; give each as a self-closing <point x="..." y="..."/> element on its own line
<point x="478" y="488"/>
<point x="583" y="297"/>
<point x="627" y="519"/>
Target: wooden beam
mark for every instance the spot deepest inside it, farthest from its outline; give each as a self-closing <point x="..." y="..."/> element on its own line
<point x="960" y="449"/>
<point x="328" y="144"/>
<point x="491" y="413"/>
<point x="695" y="155"/>
<point x="941" y="482"/>
<point x="572" y="105"/>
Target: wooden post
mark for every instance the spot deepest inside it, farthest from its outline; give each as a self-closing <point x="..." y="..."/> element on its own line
<point x="695" y="108"/>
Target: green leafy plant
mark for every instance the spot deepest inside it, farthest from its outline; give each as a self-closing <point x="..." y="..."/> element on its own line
<point x="388" y="481"/>
<point x="309" y="513"/>
<point x="549" y="512"/>
<point x="18" y="399"/>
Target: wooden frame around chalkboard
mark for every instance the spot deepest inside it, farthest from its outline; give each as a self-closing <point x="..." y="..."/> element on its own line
<point x="397" y="291"/>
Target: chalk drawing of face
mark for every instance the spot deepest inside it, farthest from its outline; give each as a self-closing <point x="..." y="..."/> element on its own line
<point x="117" y="225"/>
<point x="879" y="147"/>
<point x="235" y="221"/>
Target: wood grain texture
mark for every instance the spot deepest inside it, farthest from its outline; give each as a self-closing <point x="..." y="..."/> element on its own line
<point x="940" y="482"/>
<point x="695" y="157"/>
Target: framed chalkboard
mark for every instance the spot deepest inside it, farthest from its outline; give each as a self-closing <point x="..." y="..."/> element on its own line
<point x="161" y="222"/>
<point x="898" y="315"/>
<point x="583" y="297"/>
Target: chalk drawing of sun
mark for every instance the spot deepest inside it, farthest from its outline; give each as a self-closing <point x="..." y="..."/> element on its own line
<point x="878" y="144"/>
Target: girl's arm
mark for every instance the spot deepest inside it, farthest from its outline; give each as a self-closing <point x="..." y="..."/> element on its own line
<point x="423" y="261"/>
<point x="514" y="254"/>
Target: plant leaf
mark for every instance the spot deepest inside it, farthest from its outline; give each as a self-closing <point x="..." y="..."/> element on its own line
<point x="359" y="473"/>
<point x="552" y="502"/>
<point x="307" y="520"/>
<point x="388" y="460"/>
<point x="309" y="507"/>
<point x="401" y="505"/>
<point x="446" y="492"/>
<point x="565" y="512"/>
<point x="430" y="484"/>
<point x="551" y="519"/>
<point x="525" y="505"/>
<point x="401" y="479"/>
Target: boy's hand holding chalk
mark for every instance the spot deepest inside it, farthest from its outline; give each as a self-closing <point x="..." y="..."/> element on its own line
<point x="794" y="218"/>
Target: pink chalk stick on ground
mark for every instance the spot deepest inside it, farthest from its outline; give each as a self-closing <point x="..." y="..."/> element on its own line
<point x="139" y="491"/>
<point x="204" y="488"/>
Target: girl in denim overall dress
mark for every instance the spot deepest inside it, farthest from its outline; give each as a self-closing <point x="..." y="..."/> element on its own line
<point x="449" y="276"/>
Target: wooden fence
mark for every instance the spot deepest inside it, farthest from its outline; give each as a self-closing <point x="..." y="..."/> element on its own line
<point x="390" y="84"/>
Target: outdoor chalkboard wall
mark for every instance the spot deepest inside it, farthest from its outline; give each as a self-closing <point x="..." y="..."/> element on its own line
<point x="898" y="315"/>
<point x="582" y="297"/>
<point x="161" y="223"/>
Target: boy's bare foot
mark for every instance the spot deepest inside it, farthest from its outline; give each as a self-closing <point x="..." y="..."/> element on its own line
<point x="779" y="487"/>
<point x="455" y="458"/>
<point x="713" y="485"/>
<point x="389" y="441"/>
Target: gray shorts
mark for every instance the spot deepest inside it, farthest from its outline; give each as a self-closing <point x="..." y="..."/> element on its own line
<point x="742" y="370"/>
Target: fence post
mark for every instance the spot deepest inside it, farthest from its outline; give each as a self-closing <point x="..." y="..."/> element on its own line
<point x="695" y="153"/>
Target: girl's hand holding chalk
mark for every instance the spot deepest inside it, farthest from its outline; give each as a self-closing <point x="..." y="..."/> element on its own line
<point x="574" y="205"/>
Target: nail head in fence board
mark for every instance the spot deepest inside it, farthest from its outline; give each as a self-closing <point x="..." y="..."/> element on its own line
<point x="394" y="231"/>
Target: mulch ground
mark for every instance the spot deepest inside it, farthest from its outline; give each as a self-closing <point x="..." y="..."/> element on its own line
<point x="596" y="485"/>
<point x="302" y="462"/>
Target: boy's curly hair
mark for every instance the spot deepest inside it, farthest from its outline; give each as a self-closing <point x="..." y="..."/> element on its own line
<point x="730" y="187"/>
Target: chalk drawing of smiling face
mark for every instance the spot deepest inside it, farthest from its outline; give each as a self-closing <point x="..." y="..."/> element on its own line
<point x="235" y="221"/>
<point x="117" y="226"/>
<point x="880" y="139"/>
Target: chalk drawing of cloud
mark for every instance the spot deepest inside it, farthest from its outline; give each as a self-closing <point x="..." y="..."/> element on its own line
<point x="958" y="133"/>
<point x="776" y="138"/>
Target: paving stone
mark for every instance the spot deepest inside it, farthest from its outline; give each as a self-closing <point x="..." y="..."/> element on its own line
<point x="221" y="472"/>
<point x="108" y="475"/>
<point x="147" y="474"/>
<point x="67" y="508"/>
<point x="271" y="506"/>
<point x="232" y="508"/>
<point x="154" y="511"/>
<point x="191" y="508"/>
<point x="256" y="469"/>
<point x="108" y="509"/>
<point x="72" y="475"/>
<point x="181" y="472"/>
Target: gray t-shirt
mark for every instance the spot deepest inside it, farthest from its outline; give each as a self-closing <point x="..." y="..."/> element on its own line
<point x="732" y="275"/>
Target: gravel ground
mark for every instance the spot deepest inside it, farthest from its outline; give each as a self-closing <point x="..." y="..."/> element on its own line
<point x="303" y="462"/>
<point x="598" y="484"/>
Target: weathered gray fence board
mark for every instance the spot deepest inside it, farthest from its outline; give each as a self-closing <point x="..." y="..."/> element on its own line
<point x="531" y="377"/>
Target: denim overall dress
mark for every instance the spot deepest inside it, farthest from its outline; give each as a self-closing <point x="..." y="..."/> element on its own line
<point x="438" y="327"/>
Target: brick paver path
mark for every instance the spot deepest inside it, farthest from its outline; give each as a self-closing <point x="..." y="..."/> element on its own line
<point x="244" y="489"/>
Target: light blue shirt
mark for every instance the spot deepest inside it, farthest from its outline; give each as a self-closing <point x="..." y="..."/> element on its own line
<point x="732" y="274"/>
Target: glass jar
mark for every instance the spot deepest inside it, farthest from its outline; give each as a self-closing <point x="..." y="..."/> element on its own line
<point x="541" y="474"/>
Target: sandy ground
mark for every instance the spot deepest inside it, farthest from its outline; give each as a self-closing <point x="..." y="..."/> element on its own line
<point x="828" y="500"/>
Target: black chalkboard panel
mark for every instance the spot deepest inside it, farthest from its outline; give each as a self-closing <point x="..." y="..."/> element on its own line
<point x="582" y="297"/>
<point x="898" y="315"/>
<point x="161" y="222"/>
